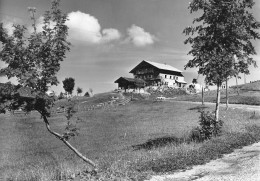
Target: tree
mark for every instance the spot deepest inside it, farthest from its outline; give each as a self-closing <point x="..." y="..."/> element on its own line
<point x="68" y="85"/>
<point x="33" y="58"/>
<point x="226" y="94"/>
<point x="79" y="91"/>
<point x="194" y="81"/>
<point x="225" y="29"/>
<point x="61" y="96"/>
<point x="86" y="94"/>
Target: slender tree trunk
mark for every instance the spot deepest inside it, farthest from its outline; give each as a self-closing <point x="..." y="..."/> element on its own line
<point x="217" y="102"/>
<point x="202" y="95"/>
<point x="227" y="94"/>
<point x="237" y="86"/>
<point x="60" y="137"/>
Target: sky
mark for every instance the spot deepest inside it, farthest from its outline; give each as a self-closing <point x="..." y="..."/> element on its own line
<point x="111" y="37"/>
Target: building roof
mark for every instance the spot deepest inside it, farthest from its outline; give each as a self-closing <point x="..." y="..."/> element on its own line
<point x="159" y="66"/>
<point x="163" y="66"/>
<point x="26" y="92"/>
<point x="133" y="80"/>
<point x="181" y="81"/>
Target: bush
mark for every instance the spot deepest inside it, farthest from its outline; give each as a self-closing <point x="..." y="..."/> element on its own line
<point x="195" y="135"/>
<point x="86" y="94"/>
<point x="61" y="96"/>
<point x="208" y="128"/>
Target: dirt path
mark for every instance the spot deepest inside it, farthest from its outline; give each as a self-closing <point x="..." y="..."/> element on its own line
<point x="241" y="165"/>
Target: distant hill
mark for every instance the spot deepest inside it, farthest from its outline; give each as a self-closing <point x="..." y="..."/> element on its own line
<point x="253" y="86"/>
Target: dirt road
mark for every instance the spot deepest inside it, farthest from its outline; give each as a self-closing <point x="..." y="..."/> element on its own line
<point x="241" y="165"/>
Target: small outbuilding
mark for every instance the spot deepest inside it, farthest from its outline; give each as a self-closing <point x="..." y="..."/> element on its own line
<point x="130" y="83"/>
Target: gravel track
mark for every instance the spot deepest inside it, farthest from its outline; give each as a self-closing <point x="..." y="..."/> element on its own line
<point x="241" y="165"/>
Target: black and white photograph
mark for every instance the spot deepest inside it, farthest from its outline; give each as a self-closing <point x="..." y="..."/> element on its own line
<point x="129" y="90"/>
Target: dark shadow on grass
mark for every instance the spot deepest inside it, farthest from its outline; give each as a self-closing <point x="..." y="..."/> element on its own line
<point x="158" y="142"/>
<point x="202" y="107"/>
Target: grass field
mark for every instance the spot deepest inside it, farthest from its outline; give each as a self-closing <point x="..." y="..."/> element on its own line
<point x="127" y="142"/>
<point x="248" y="97"/>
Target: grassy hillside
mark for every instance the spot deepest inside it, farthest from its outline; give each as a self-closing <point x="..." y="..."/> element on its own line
<point x="86" y="101"/>
<point x="128" y="142"/>
<point x="253" y="86"/>
<point x="249" y="94"/>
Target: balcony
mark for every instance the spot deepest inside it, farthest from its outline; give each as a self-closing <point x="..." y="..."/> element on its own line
<point x="149" y="78"/>
<point x="144" y="71"/>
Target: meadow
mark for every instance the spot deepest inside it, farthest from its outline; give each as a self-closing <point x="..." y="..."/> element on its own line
<point x="247" y="97"/>
<point x="128" y="142"/>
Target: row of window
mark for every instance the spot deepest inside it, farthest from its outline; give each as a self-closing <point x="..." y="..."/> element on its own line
<point x="171" y="77"/>
<point x="147" y="70"/>
<point x="144" y="76"/>
<point x="152" y="76"/>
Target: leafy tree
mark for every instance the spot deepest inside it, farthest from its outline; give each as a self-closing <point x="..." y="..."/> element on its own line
<point x="79" y="91"/>
<point x="86" y="94"/>
<point x="194" y="81"/>
<point x="34" y="58"/>
<point x="224" y="30"/>
<point x="61" y="96"/>
<point x="68" y="85"/>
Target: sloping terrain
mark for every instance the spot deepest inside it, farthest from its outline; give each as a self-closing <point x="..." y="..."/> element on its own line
<point x="248" y="94"/>
<point x="252" y="86"/>
<point x="168" y="92"/>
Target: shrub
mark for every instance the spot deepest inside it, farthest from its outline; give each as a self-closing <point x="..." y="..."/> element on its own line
<point x="195" y="135"/>
<point x="208" y="127"/>
<point x="86" y="94"/>
<point x="61" y="96"/>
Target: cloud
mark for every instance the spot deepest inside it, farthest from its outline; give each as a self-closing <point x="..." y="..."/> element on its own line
<point x="139" y="37"/>
<point x="110" y="35"/>
<point x="86" y="28"/>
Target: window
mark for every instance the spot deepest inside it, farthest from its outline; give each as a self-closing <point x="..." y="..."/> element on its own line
<point x="165" y="76"/>
<point x="176" y="78"/>
<point x="170" y="77"/>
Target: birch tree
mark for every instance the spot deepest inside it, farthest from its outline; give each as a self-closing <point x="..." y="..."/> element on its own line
<point x="224" y="29"/>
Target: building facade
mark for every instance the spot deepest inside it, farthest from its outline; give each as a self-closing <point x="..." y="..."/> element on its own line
<point x="157" y="74"/>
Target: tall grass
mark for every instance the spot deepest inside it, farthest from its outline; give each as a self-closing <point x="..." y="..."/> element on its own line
<point x="130" y="142"/>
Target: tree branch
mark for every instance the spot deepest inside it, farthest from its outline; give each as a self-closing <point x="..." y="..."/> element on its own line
<point x="60" y="137"/>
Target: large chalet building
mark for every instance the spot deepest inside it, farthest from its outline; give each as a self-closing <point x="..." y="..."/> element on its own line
<point x="149" y="73"/>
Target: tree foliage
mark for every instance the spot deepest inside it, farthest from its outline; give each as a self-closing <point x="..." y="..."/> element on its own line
<point x="86" y="94"/>
<point x="33" y="57"/>
<point x="194" y="81"/>
<point x="225" y="29"/>
<point x="79" y="90"/>
<point x="68" y="84"/>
